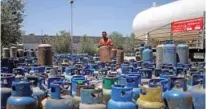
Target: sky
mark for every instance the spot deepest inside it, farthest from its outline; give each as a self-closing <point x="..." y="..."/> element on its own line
<point x="90" y="17"/>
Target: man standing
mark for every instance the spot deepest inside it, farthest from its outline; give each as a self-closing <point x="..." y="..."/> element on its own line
<point x="105" y="41"/>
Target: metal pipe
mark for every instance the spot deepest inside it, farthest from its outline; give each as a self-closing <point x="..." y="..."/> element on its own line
<point x="71" y="33"/>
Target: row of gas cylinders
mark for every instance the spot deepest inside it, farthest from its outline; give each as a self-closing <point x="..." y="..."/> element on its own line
<point x="14" y="52"/>
<point x="167" y="53"/>
<point x="130" y="92"/>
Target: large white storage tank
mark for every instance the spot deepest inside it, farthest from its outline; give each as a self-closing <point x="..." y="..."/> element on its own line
<point x="158" y="16"/>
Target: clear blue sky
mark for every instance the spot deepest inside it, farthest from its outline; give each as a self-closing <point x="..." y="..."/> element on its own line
<point x="91" y="17"/>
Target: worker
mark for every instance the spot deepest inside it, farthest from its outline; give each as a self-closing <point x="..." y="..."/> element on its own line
<point x="105" y="41"/>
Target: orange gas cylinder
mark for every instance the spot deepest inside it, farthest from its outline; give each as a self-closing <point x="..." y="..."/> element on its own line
<point x="104" y="54"/>
<point x="113" y="52"/>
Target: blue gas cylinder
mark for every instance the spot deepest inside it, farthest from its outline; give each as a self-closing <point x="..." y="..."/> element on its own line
<point x="91" y="98"/>
<point x="122" y="79"/>
<point x="125" y="68"/>
<point x="6" y="81"/>
<point x="77" y="80"/>
<point x="147" y="54"/>
<point x="121" y="98"/>
<point x="183" y="53"/>
<point x="133" y="81"/>
<point x="141" y="48"/>
<point x="198" y="91"/>
<point x="4" y="69"/>
<point x="56" y="101"/>
<point x="159" y="81"/>
<point x="177" y="97"/>
<point x="169" y="53"/>
<point x="36" y="87"/>
<point x="21" y="97"/>
<point x="146" y="73"/>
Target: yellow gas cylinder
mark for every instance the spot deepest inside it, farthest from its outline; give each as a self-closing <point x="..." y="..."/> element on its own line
<point x="150" y="98"/>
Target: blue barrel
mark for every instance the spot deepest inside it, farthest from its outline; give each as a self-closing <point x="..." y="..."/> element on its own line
<point x="56" y="101"/>
<point x="177" y="97"/>
<point x="198" y="91"/>
<point x="121" y="98"/>
<point x="133" y="81"/>
<point x="147" y="54"/>
<point x="91" y="98"/>
<point x="6" y="81"/>
<point x="183" y="53"/>
<point x="141" y="48"/>
<point x="21" y="97"/>
<point x="169" y="53"/>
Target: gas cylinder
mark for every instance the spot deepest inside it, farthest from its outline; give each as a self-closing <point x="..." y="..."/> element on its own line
<point x="21" y="97"/>
<point x="91" y="98"/>
<point x="56" y="101"/>
<point x="133" y="81"/>
<point x="119" y="57"/>
<point x="36" y="85"/>
<point x="13" y="52"/>
<point x="113" y="53"/>
<point x="104" y="54"/>
<point x="159" y="81"/>
<point x="146" y="74"/>
<point x="77" y="80"/>
<point x="150" y="97"/>
<point x="125" y="68"/>
<point x="169" y="53"/>
<point x="177" y="97"/>
<point x="122" y="79"/>
<point x="107" y="85"/>
<point x="6" y="53"/>
<point x="159" y="56"/>
<point x="147" y="54"/>
<point x="20" y="52"/>
<point x="44" y="54"/>
<point x="121" y="98"/>
<point x="6" y="81"/>
<point x="19" y="73"/>
<point x="198" y="91"/>
<point x="141" y="48"/>
<point x="183" y="53"/>
<point x="20" y="46"/>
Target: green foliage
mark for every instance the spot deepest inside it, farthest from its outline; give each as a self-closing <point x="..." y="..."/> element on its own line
<point x="62" y="42"/>
<point x="87" y="46"/>
<point x="117" y="39"/>
<point x="12" y="13"/>
<point x="129" y="43"/>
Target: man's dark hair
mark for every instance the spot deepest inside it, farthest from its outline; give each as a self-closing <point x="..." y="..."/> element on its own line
<point x="104" y="32"/>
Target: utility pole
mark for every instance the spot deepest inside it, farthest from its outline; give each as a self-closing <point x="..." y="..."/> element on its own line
<point x="71" y="32"/>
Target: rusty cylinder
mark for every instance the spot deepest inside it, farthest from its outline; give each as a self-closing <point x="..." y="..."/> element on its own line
<point x="104" y="54"/>
<point x="113" y="52"/>
<point x="13" y="52"/>
<point x="44" y="54"/>
<point x="120" y="57"/>
<point x="32" y="53"/>
<point x="6" y="53"/>
<point x="20" y="52"/>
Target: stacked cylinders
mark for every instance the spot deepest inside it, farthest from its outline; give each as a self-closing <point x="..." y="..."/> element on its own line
<point x="183" y="53"/>
<point x="20" y="52"/>
<point x="6" y="53"/>
<point x="159" y="56"/>
<point x="13" y="52"/>
<point x="44" y="54"/>
<point x="169" y="53"/>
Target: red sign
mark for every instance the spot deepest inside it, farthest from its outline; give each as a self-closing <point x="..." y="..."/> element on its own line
<point x="187" y="25"/>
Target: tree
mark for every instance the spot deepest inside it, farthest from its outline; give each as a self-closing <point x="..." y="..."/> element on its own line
<point x="87" y="46"/>
<point x="12" y="13"/>
<point x="129" y="43"/>
<point x="62" y="42"/>
<point x="117" y="39"/>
